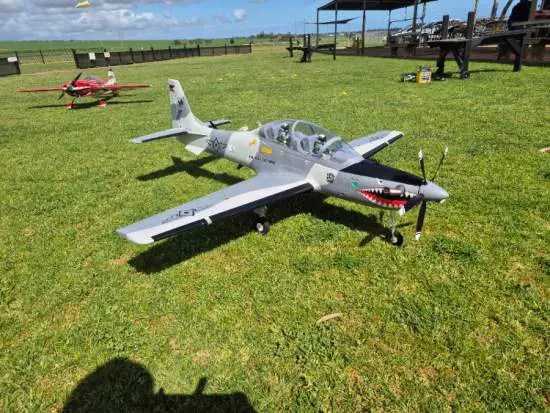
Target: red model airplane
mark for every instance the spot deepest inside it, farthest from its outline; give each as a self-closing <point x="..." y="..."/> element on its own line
<point x="90" y="86"/>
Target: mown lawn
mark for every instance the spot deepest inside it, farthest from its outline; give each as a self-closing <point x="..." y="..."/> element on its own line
<point x="458" y="321"/>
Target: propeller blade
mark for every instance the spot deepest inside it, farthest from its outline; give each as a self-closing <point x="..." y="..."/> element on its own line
<point x="76" y="78"/>
<point x="422" y="166"/>
<point x="443" y="157"/>
<point x="420" y="222"/>
<point x="61" y="95"/>
<point x="411" y="204"/>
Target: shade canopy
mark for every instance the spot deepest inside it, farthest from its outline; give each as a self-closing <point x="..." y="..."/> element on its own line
<point x="370" y="4"/>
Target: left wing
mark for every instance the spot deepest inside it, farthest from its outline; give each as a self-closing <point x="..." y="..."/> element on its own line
<point x="118" y="87"/>
<point x="371" y="144"/>
<point x="253" y="193"/>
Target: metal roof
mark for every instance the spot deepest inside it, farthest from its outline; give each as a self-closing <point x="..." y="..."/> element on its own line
<point x="370" y="4"/>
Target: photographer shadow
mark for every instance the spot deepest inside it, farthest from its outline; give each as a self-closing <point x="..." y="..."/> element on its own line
<point x="121" y="385"/>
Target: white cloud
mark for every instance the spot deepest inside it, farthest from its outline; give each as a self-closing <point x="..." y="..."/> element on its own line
<point x="8" y="6"/>
<point x="239" y="15"/>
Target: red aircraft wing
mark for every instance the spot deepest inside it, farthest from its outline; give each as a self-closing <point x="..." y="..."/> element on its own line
<point x="46" y="89"/>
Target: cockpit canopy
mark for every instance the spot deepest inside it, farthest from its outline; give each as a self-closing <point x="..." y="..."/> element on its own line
<point x="92" y="77"/>
<point x="308" y="138"/>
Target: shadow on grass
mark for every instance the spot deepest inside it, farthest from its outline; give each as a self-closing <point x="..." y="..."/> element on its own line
<point x="192" y="168"/>
<point x="121" y="385"/>
<point x="181" y="248"/>
<point x="89" y="105"/>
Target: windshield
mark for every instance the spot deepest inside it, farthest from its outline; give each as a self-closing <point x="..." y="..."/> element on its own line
<point x="309" y="138"/>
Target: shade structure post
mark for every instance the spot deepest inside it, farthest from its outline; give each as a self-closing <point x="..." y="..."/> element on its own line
<point x="533" y="10"/>
<point x="317" y="24"/>
<point x="476" y="5"/>
<point x="335" y="29"/>
<point x="364" y="27"/>
<point x="415" y="15"/>
<point x="389" y="28"/>
<point x="494" y="10"/>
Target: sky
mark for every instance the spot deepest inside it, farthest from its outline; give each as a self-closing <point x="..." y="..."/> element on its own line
<point x="185" y="19"/>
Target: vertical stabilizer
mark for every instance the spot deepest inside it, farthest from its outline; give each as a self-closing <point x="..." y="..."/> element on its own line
<point x="111" y="79"/>
<point x="182" y="117"/>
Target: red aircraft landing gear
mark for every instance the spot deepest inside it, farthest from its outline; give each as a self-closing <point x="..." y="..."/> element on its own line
<point x="102" y="103"/>
<point x="69" y="105"/>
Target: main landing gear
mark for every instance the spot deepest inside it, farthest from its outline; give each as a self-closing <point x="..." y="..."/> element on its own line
<point x="262" y="224"/>
<point x="395" y="237"/>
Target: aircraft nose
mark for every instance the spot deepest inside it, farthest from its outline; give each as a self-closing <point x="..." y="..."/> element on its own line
<point x="433" y="192"/>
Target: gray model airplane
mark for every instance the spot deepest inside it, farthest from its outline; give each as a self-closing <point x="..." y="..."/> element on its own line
<point x="290" y="157"/>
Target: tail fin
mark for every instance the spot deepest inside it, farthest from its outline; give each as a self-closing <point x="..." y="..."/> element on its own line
<point x="111" y="79"/>
<point x="182" y="117"/>
<point x="186" y="128"/>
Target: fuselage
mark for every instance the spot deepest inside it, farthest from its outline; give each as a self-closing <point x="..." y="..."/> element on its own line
<point x="83" y="87"/>
<point x="332" y="166"/>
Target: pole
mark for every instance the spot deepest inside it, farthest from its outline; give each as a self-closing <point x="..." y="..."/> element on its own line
<point x="415" y="15"/>
<point x="533" y="10"/>
<point x="317" y="24"/>
<point x="494" y="10"/>
<point x="389" y="28"/>
<point x="335" y="29"/>
<point x="476" y="5"/>
<point x="364" y="27"/>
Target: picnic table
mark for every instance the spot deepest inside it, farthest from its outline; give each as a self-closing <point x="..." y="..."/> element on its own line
<point x="461" y="49"/>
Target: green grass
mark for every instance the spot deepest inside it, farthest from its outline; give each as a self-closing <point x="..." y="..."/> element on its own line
<point x="458" y="321"/>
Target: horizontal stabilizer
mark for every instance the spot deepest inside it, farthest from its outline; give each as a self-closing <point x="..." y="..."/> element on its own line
<point x="215" y="124"/>
<point x="169" y="133"/>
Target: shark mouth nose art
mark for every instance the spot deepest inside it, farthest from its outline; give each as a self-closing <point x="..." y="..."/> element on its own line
<point x="387" y="197"/>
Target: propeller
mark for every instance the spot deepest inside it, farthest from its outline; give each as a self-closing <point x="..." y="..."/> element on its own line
<point x="443" y="157"/>
<point x="71" y="85"/>
<point x="419" y="199"/>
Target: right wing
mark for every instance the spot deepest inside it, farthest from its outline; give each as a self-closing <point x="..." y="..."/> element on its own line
<point x="256" y="192"/>
<point x="45" y="89"/>
<point x="372" y="144"/>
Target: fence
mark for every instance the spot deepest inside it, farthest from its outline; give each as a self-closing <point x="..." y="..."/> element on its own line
<point x="9" y="66"/>
<point x="91" y="59"/>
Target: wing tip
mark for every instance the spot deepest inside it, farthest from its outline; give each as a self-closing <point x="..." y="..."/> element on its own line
<point x="133" y="237"/>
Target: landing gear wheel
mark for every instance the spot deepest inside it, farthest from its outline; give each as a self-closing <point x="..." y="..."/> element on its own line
<point x="396" y="240"/>
<point x="262" y="226"/>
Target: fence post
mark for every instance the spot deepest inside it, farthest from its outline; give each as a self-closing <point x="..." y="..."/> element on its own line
<point x="170" y="51"/>
<point x="153" y="53"/>
<point x="17" y="55"/>
<point x="132" y="55"/>
<point x="250" y="47"/>
<point x="42" y="56"/>
<point x="199" y="50"/>
<point x="226" y="48"/>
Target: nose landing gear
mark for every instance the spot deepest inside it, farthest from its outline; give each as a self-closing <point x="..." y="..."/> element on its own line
<point x="395" y="237"/>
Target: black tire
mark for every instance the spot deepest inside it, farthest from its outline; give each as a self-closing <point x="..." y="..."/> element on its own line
<point x="398" y="241"/>
<point x="262" y="226"/>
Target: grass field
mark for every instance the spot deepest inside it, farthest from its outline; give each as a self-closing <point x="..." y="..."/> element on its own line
<point x="458" y="321"/>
